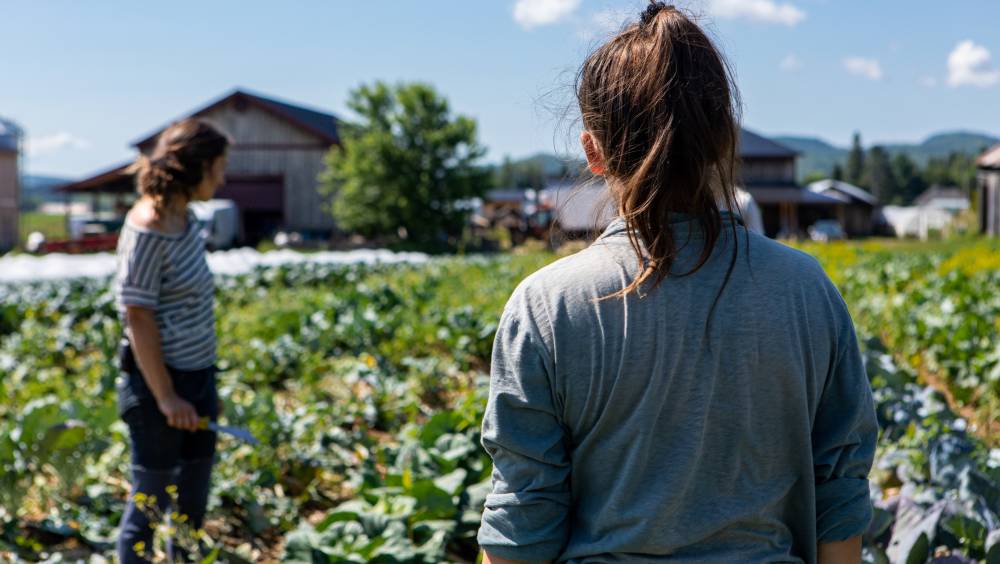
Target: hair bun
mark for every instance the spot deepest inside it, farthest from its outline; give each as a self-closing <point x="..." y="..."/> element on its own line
<point x="652" y="11"/>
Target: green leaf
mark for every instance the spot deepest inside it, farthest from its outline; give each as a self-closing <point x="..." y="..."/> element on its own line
<point x="64" y="436"/>
<point x="441" y="423"/>
<point x="432" y="501"/>
<point x="452" y="482"/>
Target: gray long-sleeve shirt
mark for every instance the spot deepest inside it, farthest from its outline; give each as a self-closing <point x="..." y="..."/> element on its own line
<point x="631" y="431"/>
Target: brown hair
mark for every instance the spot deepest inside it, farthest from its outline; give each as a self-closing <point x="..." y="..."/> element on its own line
<point x="659" y="100"/>
<point x="178" y="163"/>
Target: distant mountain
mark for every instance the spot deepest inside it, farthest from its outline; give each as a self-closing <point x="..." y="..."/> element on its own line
<point x="944" y="144"/>
<point x="552" y="166"/>
<point x="37" y="189"/>
<point x="817" y="155"/>
<point x="814" y="154"/>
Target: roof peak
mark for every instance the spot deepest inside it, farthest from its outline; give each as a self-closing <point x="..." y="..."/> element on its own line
<point x="318" y="122"/>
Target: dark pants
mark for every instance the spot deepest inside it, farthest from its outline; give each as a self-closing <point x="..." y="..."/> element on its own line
<point x="163" y="456"/>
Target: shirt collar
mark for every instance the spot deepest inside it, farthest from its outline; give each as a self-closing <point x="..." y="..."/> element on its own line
<point x="683" y="224"/>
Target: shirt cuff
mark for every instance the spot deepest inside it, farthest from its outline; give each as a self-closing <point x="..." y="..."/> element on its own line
<point x="132" y="296"/>
<point x="530" y="527"/>
<point x="843" y="509"/>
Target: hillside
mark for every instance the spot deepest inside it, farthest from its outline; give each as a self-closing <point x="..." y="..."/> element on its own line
<point x="814" y="154"/>
<point x="552" y="166"/>
<point x="818" y="155"/>
<point x="37" y="189"/>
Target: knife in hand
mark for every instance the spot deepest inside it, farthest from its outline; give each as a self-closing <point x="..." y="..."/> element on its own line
<point x="235" y="432"/>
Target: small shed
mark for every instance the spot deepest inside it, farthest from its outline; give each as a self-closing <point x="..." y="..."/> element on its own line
<point x="277" y="155"/>
<point x="951" y="199"/>
<point x="989" y="191"/>
<point x="857" y="208"/>
<point x="10" y="190"/>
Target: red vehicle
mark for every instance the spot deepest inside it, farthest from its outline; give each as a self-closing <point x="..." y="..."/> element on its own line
<point x="85" y="244"/>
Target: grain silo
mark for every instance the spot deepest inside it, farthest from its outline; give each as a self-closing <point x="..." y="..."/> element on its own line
<point x="10" y="153"/>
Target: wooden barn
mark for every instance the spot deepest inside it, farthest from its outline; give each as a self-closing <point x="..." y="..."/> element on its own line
<point x="767" y="172"/>
<point x="10" y="150"/>
<point x="989" y="192"/>
<point x="277" y="154"/>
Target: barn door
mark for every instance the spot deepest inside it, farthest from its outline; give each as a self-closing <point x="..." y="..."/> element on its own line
<point x="261" y="200"/>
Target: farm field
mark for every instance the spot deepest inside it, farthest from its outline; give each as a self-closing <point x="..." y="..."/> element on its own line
<point x="366" y="385"/>
<point x="53" y="226"/>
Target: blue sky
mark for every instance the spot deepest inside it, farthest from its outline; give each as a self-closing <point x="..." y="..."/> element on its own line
<point x="86" y="78"/>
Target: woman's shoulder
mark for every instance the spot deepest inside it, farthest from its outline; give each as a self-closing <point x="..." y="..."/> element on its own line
<point x="592" y="272"/>
<point x="143" y="216"/>
<point x="777" y="257"/>
<point x="143" y="219"/>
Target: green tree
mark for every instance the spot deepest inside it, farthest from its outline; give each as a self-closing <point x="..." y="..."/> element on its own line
<point x="878" y="175"/>
<point x="837" y="173"/>
<point x="505" y="175"/>
<point x="813" y="177"/>
<point x="855" y="161"/>
<point x="531" y="175"/>
<point x="405" y="166"/>
<point x="909" y="182"/>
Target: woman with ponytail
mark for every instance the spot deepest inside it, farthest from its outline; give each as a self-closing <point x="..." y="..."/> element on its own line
<point x="165" y="297"/>
<point x="682" y="390"/>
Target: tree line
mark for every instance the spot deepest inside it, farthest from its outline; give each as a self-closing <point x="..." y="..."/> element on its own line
<point x="898" y="179"/>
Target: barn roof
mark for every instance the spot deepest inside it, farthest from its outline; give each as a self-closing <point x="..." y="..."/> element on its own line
<point x="990" y="159"/>
<point x="789" y="195"/>
<point x="938" y="192"/>
<point x="753" y="145"/>
<point x="113" y="180"/>
<point x="317" y="122"/>
<point x="10" y="136"/>
<point x="841" y="187"/>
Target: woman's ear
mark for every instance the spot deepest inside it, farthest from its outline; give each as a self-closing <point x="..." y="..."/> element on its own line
<point x="595" y="160"/>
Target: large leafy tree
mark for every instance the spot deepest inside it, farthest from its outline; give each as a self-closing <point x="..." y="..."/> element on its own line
<point x="405" y="167"/>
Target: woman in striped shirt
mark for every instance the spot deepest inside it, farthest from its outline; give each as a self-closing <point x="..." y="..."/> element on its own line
<point x="165" y="298"/>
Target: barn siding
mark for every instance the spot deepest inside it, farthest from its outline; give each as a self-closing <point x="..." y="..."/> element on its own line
<point x="8" y="200"/>
<point x="296" y="155"/>
<point x="256" y="126"/>
<point x="767" y="170"/>
<point x="989" y="203"/>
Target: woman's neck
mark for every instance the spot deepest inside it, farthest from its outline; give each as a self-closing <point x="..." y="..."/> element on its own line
<point x="176" y="207"/>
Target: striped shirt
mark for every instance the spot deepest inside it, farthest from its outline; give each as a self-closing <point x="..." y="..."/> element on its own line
<point x="169" y="275"/>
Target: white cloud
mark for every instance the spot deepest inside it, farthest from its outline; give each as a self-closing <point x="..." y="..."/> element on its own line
<point x="534" y="13"/>
<point x="928" y="81"/>
<point x="603" y="24"/>
<point x="45" y="144"/>
<point x="790" y="63"/>
<point x="766" y="11"/>
<point x="868" y="68"/>
<point x="969" y="65"/>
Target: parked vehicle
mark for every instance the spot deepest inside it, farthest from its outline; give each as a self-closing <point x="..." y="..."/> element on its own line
<point x="220" y="221"/>
<point x="827" y="230"/>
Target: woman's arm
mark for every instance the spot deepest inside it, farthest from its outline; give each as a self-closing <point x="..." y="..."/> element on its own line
<point x="145" y="336"/>
<point x="840" y="552"/>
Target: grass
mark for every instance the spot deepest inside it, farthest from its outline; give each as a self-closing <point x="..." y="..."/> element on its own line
<point x="53" y="226"/>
